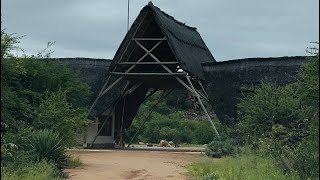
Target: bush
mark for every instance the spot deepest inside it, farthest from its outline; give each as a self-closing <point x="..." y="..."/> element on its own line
<point x="219" y="148"/>
<point x="48" y="145"/>
<point x="56" y="113"/>
<point x="73" y="162"/>
<point x="211" y="176"/>
<point x="39" y="171"/>
<point x="270" y="105"/>
<point x="283" y="122"/>
<point x="247" y="166"/>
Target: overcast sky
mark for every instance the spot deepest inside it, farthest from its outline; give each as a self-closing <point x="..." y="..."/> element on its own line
<point x="231" y="29"/>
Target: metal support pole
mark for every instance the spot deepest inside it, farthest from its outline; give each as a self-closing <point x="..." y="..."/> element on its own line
<point x="128" y="15"/>
<point x="204" y="109"/>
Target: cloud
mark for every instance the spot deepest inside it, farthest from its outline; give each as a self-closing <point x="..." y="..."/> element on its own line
<point x="231" y="29"/>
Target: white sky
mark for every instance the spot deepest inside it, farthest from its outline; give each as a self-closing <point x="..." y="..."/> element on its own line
<point x="231" y="29"/>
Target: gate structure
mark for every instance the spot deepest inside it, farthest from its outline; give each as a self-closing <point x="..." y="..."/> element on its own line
<point x="157" y="53"/>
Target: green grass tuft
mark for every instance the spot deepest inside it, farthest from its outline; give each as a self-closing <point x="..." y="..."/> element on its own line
<point x="247" y="166"/>
<point x="73" y="162"/>
<point x="39" y="171"/>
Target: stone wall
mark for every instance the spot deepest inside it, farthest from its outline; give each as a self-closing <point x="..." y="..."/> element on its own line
<point x="225" y="81"/>
<point x="92" y="71"/>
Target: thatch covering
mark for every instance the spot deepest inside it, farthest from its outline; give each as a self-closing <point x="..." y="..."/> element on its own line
<point x="184" y="42"/>
<point x="183" y="46"/>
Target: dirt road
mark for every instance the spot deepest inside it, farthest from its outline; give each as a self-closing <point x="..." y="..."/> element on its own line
<point x="136" y="165"/>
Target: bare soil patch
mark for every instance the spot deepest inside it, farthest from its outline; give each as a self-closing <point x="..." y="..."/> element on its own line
<point x="136" y="165"/>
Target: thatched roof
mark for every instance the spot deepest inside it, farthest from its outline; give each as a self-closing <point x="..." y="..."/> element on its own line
<point x="185" y="44"/>
<point x="181" y="45"/>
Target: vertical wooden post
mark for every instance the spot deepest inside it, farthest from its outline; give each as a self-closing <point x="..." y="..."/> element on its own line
<point x="113" y="123"/>
<point x="121" y="125"/>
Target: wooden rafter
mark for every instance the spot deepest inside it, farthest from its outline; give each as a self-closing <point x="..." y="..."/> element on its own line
<point x="168" y="70"/>
<point x="146" y="63"/>
<point x="148" y="74"/>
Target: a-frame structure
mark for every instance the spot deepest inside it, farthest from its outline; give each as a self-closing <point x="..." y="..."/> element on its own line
<point x="158" y="53"/>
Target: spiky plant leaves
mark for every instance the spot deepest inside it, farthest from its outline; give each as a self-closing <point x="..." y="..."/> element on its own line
<point x="47" y="144"/>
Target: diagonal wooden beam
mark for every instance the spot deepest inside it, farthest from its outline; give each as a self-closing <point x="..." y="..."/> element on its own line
<point x="204" y="109"/>
<point x="148" y="39"/>
<point x="148" y="74"/>
<point x="170" y="72"/>
<point x="146" y="63"/>
<point x="148" y="51"/>
<point x="204" y="91"/>
<point x="138" y="27"/>
<point x="96" y="100"/>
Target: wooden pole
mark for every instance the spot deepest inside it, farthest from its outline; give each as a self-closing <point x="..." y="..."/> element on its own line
<point x="102" y="91"/>
<point x="204" y="91"/>
<point x="96" y="100"/>
<point x="121" y="125"/>
<point x="94" y="139"/>
<point x="146" y="63"/>
<point x="147" y="74"/>
<point x="111" y="86"/>
<point x="166" y="68"/>
<point x="204" y="109"/>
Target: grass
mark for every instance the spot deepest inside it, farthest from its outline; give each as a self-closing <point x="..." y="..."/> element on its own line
<point x="39" y="171"/>
<point x="73" y="162"/>
<point x="191" y="145"/>
<point x="247" y="166"/>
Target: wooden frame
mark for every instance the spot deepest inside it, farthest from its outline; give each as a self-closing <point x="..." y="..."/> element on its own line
<point x="176" y="75"/>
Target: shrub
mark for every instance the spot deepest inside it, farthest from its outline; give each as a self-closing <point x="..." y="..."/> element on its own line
<point x="219" y="148"/>
<point x="247" y="166"/>
<point x="56" y="113"/>
<point x="211" y="176"/>
<point x="48" y="145"/>
<point x="39" y="171"/>
<point x="268" y="106"/>
<point x="283" y="122"/>
<point x="73" y="162"/>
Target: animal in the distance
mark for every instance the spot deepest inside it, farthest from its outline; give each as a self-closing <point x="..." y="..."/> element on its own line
<point x="164" y="143"/>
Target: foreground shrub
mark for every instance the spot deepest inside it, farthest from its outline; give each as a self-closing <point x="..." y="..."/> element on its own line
<point x="283" y="122"/>
<point x="246" y="166"/>
<point x="47" y="145"/>
<point x="212" y="176"/>
<point x="219" y="148"/>
<point x="73" y="162"/>
<point x="56" y="113"/>
<point x="39" y="171"/>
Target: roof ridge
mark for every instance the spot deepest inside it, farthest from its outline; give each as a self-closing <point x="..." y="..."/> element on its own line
<point x="171" y="17"/>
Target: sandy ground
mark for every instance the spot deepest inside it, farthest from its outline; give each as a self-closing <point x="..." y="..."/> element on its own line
<point x="136" y="165"/>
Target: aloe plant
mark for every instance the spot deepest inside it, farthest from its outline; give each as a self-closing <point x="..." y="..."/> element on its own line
<point x="47" y="144"/>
